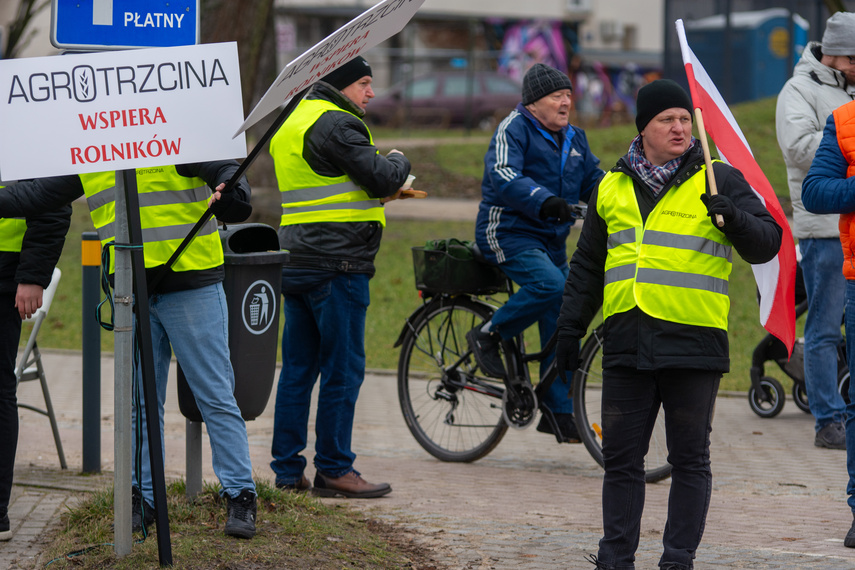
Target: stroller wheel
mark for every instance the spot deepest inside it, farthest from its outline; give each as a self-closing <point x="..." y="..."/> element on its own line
<point x="769" y="400"/>
<point x="800" y="396"/>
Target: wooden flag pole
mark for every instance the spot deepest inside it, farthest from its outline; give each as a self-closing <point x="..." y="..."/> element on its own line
<point x="702" y="134"/>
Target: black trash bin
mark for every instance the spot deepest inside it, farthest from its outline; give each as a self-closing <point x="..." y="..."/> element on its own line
<point x="253" y="283"/>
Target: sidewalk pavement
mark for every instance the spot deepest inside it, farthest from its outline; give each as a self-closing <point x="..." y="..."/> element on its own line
<point x="778" y="501"/>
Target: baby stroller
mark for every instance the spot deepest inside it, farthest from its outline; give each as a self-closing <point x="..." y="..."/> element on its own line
<point x="766" y="396"/>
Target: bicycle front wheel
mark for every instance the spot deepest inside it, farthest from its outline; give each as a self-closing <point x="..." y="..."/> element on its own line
<point x="453" y="411"/>
<point x="587" y="404"/>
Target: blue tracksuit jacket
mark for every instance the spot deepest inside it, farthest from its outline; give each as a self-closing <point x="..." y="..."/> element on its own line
<point x="523" y="167"/>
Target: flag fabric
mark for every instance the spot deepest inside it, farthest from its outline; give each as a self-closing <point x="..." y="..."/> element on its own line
<point x="776" y="278"/>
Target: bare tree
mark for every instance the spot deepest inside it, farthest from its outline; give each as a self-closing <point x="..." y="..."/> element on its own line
<point x="19" y="36"/>
<point x="248" y="22"/>
<point x="835" y="6"/>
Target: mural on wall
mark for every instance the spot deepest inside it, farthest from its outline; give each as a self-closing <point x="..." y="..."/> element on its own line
<point x="602" y="95"/>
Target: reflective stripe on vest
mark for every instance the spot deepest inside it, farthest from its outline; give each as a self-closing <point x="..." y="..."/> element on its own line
<point x="308" y="197"/>
<point x="170" y="205"/>
<point x="675" y="266"/>
<point x="12" y="232"/>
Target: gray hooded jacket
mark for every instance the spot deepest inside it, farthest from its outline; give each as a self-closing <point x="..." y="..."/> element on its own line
<point x="804" y="104"/>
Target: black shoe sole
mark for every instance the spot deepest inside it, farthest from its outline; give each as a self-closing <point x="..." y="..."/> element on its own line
<point x="238" y="532"/>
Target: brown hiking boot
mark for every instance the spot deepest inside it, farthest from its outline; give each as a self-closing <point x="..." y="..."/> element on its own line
<point x="350" y="485"/>
<point x="300" y="486"/>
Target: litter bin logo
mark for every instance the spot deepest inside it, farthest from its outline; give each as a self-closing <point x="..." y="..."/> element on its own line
<point x="258" y="307"/>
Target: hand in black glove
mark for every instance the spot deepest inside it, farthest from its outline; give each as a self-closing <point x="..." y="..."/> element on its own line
<point x="555" y="207"/>
<point x="567" y="356"/>
<point x="719" y="204"/>
<point x="227" y="208"/>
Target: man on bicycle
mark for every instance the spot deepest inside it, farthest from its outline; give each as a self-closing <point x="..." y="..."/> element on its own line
<point x="536" y="167"/>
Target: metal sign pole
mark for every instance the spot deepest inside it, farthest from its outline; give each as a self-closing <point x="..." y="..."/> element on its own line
<point x="146" y="352"/>
<point x="123" y="374"/>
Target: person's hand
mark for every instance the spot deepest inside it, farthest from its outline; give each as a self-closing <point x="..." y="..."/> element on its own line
<point x="28" y="299"/>
<point x="566" y="356"/>
<point x="719" y="205"/>
<point x="555" y="207"/>
<point x="394" y="151"/>
<point x="221" y="203"/>
<point x="396" y="196"/>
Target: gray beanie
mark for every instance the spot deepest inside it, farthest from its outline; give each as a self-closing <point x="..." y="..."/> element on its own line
<point x="540" y="81"/>
<point x="839" y="36"/>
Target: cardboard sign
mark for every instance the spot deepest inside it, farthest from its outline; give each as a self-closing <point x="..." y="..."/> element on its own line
<point x="119" y="110"/>
<point x="363" y="32"/>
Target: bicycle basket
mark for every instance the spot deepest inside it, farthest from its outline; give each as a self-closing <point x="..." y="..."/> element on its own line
<point x="449" y="266"/>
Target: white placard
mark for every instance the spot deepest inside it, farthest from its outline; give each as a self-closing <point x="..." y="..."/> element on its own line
<point x="119" y="110"/>
<point x="365" y="31"/>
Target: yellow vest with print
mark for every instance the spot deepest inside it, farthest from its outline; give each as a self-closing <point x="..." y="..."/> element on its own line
<point x="170" y="205"/>
<point x="675" y="266"/>
<point x="308" y="197"/>
<point x="12" y="232"/>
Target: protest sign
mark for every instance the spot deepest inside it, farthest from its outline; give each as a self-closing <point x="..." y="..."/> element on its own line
<point x="363" y="32"/>
<point x="119" y="110"/>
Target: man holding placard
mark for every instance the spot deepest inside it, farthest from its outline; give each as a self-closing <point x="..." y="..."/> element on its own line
<point x="188" y="307"/>
<point x="333" y="182"/>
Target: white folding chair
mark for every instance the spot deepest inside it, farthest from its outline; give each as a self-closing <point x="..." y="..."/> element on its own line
<point x="30" y="363"/>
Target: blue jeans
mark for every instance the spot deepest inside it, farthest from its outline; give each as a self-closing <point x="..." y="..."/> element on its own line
<point x="324" y="336"/>
<point x="195" y="322"/>
<point x="537" y="300"/>
<point x="825" y="286"/>
<point x="630" y="404"/>
<point x="850" y="408"/>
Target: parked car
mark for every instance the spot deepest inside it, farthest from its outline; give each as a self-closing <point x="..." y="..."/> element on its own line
<point x="441" y="99"/>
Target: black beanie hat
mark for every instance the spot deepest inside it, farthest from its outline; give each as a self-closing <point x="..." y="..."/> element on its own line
<point x="350" y="72"/>
<point x="658" y="96"/>
<point x="540" y="81"/>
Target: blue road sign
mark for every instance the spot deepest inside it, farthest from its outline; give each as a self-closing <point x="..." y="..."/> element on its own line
<point x="111" y="24"/>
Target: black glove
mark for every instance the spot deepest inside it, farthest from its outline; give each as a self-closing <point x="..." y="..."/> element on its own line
<point x="229" y="209"/>
<point x="720" y="204"/>
<point x="555" y="207"/>
<point x="566" y="356"/>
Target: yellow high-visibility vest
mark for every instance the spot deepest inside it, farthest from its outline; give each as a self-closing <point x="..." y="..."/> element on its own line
<point x="675" y="266"/>
<point x="170" y="205"/>
<point x="308" y="197"/>
<point x="12" y="232"/>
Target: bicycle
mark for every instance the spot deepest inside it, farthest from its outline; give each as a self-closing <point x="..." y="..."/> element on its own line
<point x="457" y="413"/>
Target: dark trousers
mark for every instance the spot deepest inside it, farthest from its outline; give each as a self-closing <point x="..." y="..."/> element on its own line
<point x="631" y="400"/>
<point x="10" y="334"/>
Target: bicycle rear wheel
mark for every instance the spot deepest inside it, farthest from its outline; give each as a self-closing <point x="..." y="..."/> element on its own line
<point x="453" y="411"/>
<point x="587" y="400"/>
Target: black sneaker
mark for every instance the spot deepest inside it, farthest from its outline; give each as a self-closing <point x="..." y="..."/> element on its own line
<point x="242" y="511"/>
<point x="832" y="436"/>
<point x="5" y="529"/>
<point x="567" y="425"/>
<point x="849" y="541"/>
<point x="141" y="511"/>
<point x="485" y="347"/>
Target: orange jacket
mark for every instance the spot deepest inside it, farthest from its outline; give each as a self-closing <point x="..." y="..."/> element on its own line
<point x="844" y="120"/>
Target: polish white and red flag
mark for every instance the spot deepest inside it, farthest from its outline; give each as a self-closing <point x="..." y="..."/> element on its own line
<point x="775" y="279"/>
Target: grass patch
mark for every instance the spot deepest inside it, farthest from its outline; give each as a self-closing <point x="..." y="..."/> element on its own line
<point x="294" y="531"/>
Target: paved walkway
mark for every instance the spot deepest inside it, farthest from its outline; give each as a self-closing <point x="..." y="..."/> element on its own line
<point x="778" y="501"/>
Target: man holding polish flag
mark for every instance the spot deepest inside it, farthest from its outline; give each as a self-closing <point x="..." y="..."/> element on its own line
<point x="775" y="279"/>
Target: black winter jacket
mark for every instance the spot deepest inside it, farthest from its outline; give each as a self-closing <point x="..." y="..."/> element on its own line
<point x="339" y="143"/>
<point x="45" y="194"/>
<point x="633" y="338"/>
<point x="40" y="251"/>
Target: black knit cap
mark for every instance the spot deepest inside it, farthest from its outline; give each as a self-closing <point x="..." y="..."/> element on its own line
<point x="541" y="80"/>
<point x="658" y="96"/>
<point x="350" y="72"/>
